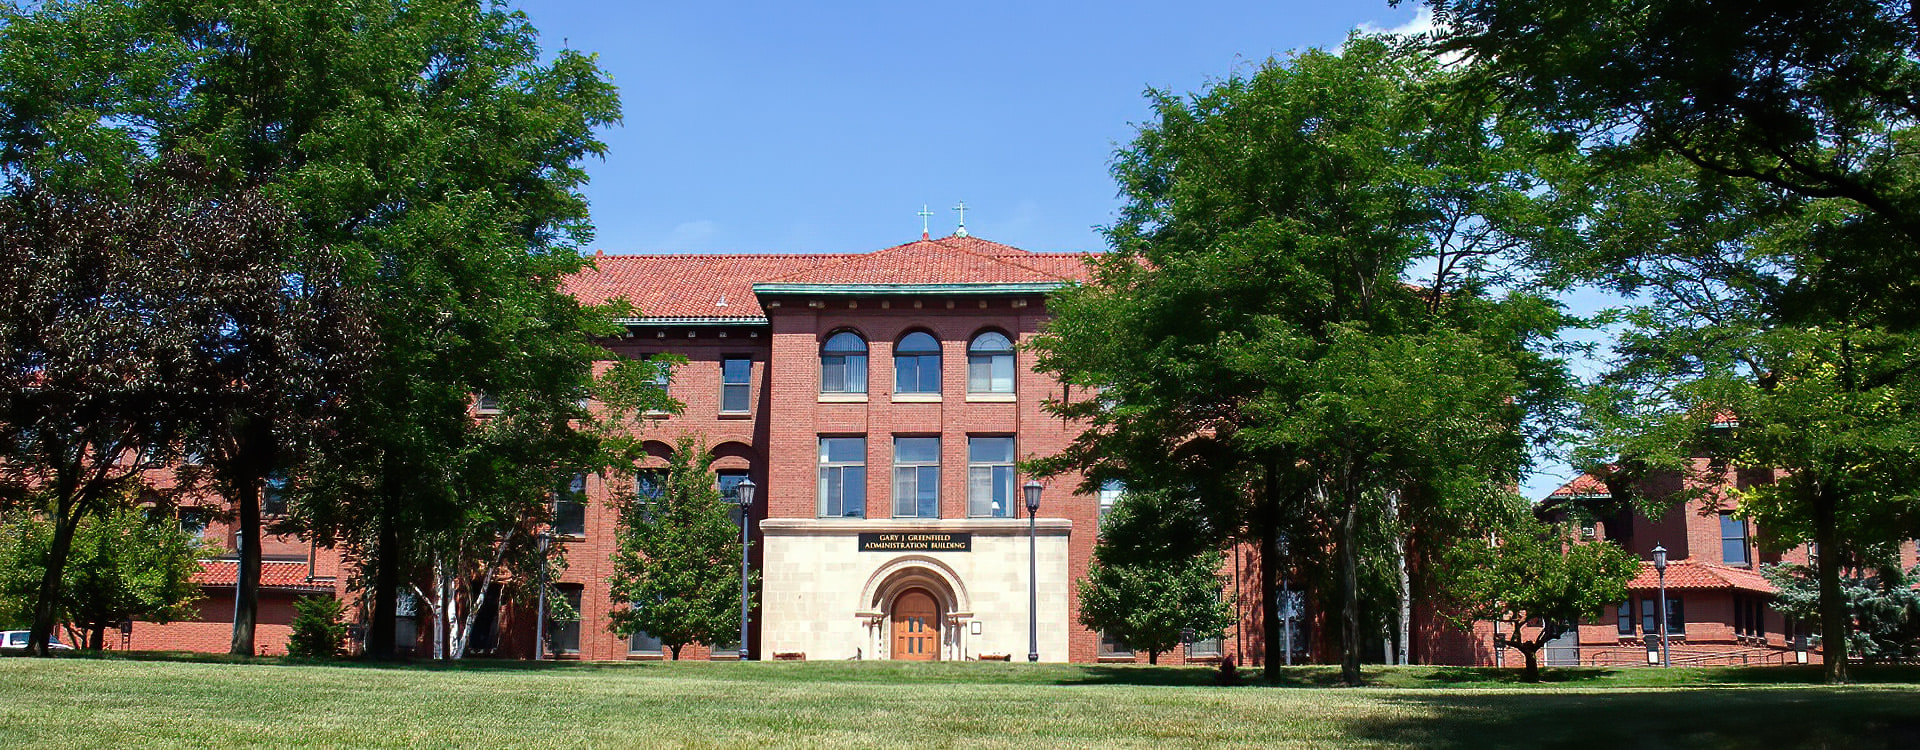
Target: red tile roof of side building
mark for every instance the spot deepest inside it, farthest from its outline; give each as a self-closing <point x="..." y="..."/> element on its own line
<point x="1699" y="575"/>
<point x="274" y="574"/>
<point x="721" y="285"/>
<point x="1585" y="485"/>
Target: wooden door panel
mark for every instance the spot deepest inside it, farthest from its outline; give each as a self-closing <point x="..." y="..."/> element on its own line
<point x="916" y="627"/>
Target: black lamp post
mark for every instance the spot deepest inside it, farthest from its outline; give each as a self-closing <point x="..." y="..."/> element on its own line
<point x="1032" y="489"/>
<point x="540" y="623"/>
<point x="1660" y="566"/>
<point x="744" y="491"/>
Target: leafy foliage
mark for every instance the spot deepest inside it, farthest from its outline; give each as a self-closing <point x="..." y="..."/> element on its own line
<point x="318" y="630"/>
<point x="676" y="572"/>
<point x="1536" y="575"/>
<point x="1152" y="584"/>
<point x="125" y="565"/>
<point x="1254" y="327"/>
<point x="1882" y="603"/>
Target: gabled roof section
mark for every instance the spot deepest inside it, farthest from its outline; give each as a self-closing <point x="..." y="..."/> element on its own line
<point x="943" y="261"/>
<point x="667" y="286"/>
<point x="1583" y="486"/>
<point x="720" y="288"/>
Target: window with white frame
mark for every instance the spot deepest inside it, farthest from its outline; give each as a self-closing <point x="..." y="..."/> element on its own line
<point x="843" y="477"/>
<point x="990" y="364"/>
<point x="916" y="364"/>
<point x="916" y="477"/>
<point x="1733" y="539"/>
<point x="843" y="364"/>
<point x="1111" y="491"/>
<point x="990" y="492"/>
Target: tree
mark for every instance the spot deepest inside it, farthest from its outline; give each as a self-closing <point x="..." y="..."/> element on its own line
<point x="1254" y="333"/>
<point x="1882" y="603"/>
<point x="1808" y="99"/>
<point x="125" y="565"/>
<point x="675" y="572"/>
<point x="434" y="147"/>
<point x="1153" y="584"/>
<point x="100" y="306"/>
<point x="318" y="632"/>
<point x="1534" y="575"/>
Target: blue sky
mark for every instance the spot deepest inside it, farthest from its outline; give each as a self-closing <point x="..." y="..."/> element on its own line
<point x="824" y="127"/>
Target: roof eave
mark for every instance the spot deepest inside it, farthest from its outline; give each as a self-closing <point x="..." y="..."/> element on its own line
<point x="692" y="321"/>
<point x="848" y="290"/>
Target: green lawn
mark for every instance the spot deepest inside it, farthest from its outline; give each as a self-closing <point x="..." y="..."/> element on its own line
<point x="96" y="703"/>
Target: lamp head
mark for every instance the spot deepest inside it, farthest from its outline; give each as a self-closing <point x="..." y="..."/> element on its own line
<point x="744" y="491"/>
<point x="1660" y="558"/>
<point x="1032" y="489"/>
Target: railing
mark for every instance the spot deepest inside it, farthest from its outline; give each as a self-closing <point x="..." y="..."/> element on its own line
<point x="1756" y="657"/>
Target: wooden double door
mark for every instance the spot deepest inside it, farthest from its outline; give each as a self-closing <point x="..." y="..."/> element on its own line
<point x="916" y="626"/>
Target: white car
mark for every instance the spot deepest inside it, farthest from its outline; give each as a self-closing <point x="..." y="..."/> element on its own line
<point x="15" y="641"/>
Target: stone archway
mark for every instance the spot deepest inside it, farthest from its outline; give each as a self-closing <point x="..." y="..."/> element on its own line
<point x="901" y="578"/>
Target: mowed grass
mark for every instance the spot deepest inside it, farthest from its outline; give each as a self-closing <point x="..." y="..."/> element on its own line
<point x="119" y="702"/>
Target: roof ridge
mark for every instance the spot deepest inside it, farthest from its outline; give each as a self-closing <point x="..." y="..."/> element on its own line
<point x="994" y="258"/>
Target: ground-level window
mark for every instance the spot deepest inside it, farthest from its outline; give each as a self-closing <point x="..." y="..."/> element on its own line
<point x="1113" y="646"/>
<point x="843" y="477"/>
<point x="916" y="477"/>
<point x="643" y="643"/>
<point x="990" y="477"/>
<point x="563" y="629"/>
<point x="1625" y="613"/>
<point x="1650" y="616"/>
<point x="1749" y="616"/>
<point x="1204" y="648"/>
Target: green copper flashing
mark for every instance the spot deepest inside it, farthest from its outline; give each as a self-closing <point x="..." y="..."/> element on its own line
<point x="703" y="322"/>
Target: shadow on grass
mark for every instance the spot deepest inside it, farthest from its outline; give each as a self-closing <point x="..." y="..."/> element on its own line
<point x="1716" y="718"/>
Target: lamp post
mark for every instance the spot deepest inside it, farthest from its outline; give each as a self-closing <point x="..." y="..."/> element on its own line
<point x="744" y="491"/>
<point x="1660" y="566"/>
<point x="1032" y="489"/>
<point x="540" y="622"/>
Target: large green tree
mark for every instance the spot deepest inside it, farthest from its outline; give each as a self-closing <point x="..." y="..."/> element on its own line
<point x="1154" y="582"/>
<point x="1297" y="322"/>
<point x="676" y="573"/>
<point x="428" y="142"/>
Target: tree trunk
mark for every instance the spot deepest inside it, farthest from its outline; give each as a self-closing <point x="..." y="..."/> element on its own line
<point x="1270" y="562"/>
<point x="386" y="584"/>
<point x="1834" y="616"/>
<point x="1403" y="642"/>
<point x="480" y="598"/>
<point x="96" y="637"/>
<point x="246" y="606"/>
<point x="1349" y="590"/>
<point x="1531" y="673"/>
<point x="46" y="609"/>
<point x="676" y="651"/>
<point x="1153" y="657"/>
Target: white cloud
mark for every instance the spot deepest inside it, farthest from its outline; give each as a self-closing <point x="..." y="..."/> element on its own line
<point x="1421" y="23"/>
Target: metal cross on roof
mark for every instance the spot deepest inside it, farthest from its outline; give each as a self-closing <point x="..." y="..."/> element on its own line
<point x="924" y="215"/>
<point x="962" y="231"/>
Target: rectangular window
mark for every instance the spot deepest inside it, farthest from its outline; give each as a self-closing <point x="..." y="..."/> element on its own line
<point x="642" y="642"/>
<point x="1110" y="492"/>
<point x="1204" y="648"/>
<point x="736" y="385"/>
<point x="843" y="477"/>
<point x="1676" y="617"/>
<point x="273" y="496"/>
<point x="916" y="477"/>
<point x="648" y="486"/>
<point x="1649" y="617"/>
<point x="1111" y="646"/>
<point x="1625" y="614"/>
<point x="730" y="480"/>
<point x="564" y="633"/>
<point x="990" y="477"/>
<point x="1733" y="539"/>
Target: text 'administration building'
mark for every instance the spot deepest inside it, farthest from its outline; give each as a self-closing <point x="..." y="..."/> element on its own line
<point x="880" y="404"/>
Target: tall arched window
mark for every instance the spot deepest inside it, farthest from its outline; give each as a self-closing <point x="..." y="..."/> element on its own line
<point x="990" y="364"/>
<point x="843" y="364"/>
<point x="916" y="364"/>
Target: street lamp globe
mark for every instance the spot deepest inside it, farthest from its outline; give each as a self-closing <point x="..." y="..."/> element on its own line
<point x="1032" y="490"/>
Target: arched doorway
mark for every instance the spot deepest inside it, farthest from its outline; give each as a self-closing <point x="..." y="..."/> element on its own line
<point x="916" y="626"/>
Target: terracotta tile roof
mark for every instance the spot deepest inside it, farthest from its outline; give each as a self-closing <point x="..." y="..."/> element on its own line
<point x="273" y="575"/>
<point x="1698" y="575"/>
<point x="695" y="286"/>
<point x="1585" y="485"/>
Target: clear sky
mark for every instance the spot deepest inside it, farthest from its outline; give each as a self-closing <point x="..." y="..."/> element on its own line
<point x="824" y="127"/>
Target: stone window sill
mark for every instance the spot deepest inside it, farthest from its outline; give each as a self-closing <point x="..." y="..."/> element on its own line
<point x="991" y="398"/>
<point x="916" y="398"/>
<point x="736" y="415"/>
<point x="843" y="398"/>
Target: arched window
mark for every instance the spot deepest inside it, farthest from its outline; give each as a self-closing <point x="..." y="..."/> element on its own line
<point x="843" y="364"/>
<point x="916" y="364"/>
<point x="990" y="364"/>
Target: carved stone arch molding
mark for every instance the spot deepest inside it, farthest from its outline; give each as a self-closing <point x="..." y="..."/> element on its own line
<point x="915" y="571"/>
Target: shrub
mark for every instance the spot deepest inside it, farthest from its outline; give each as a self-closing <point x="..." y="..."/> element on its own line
<point x="318" y="632"/>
